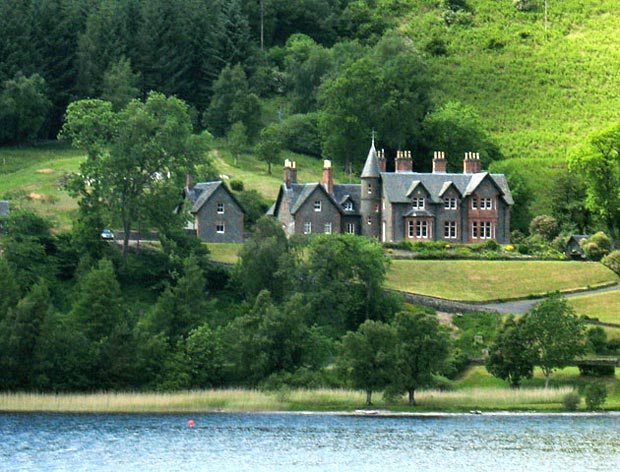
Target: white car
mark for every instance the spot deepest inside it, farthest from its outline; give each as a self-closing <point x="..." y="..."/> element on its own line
<point x="107" y="235"/>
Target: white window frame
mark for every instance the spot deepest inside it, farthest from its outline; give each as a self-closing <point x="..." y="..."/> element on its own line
<point x="418" y="203"/>
<point x="369" y="220"/>
<point x="327" y="227"/>
<point x="369" y="188"/>
<point x="421" y="229"/>
<point x="410" y="229"/>
<point x="486" y="230"/>
<point x="220" y="228"/>
<point x="220" y="208"/>
<point x="474" y="230"/>
<point x="348" y="205"/>
<point x="474" y="203"/>
<point x="351" y="228"/>
<point x="486" y="203"/>
<point x="307" y="227"/>
<point x="317" y="205"/>
<point x="449" y="203"/>
<point x="450" y="230"/>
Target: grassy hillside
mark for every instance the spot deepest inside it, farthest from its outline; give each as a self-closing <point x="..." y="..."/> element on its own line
<point x="32" y="178"/>
<point x="489" y="280"/>
<point x="540" y="93"/>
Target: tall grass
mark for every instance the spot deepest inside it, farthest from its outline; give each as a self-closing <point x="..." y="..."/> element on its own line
<point x="238" y="400"/>
<point x="493" y="398"/>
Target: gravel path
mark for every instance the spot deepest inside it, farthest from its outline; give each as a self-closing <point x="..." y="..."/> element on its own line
<point x="519" y="307"/>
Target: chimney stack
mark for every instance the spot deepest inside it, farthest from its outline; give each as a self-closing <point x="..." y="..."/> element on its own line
<point x="440" y="164"/>
<point x="328" y="176"/>
<point x="404" y="161"/>
<point x="471" y="163"/>
<point x="381" y="158"/>
<point x="290" y="173"/>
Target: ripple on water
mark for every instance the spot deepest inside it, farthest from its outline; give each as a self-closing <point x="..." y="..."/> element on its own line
<point x="271" y="442"/>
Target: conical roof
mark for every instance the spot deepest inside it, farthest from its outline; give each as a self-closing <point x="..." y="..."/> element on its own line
<point x="371" y="167"/>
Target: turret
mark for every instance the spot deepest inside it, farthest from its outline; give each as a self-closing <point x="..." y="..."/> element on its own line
<point x="371" y="195"/>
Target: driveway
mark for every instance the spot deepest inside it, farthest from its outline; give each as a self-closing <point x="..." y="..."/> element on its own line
<point x="519" y="307"/>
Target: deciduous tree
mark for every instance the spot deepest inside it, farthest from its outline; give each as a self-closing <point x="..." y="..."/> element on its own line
<point x="554" y="334"/>
<point x="137" y="158"/>
<point x="423" y="349"/>
<point x="510" y="357"/>
<point x="369" y="356"/>
<point x="599" y="164"/>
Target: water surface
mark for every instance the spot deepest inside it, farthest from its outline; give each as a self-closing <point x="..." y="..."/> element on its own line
<point x="283" y="442"/>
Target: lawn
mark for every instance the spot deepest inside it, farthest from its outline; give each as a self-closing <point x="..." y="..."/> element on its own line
<point x="227" y="253"/>
<point x="478" y="281"/>
<point x="602" y="306"/>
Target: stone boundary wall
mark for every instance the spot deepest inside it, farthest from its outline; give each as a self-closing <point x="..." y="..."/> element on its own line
<point x="439" y="304"/>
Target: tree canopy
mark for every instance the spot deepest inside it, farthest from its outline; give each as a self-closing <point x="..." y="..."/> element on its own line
<point x="137" y="159"/>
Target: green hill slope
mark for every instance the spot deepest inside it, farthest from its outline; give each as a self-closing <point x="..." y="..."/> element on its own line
<point x="540" y="93"/>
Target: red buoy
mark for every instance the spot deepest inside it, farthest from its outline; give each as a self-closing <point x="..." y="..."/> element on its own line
<point x="191" y="423"/>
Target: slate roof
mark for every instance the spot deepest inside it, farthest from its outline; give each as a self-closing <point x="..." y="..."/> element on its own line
<point x="399" y="184"/>
<point x="371" y="166"/>
<point x="297" y="194"/>
<point x="4" y="208"/>
<point x="200" y="193"/>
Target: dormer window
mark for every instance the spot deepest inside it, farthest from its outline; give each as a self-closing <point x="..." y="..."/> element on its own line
<point x="220" y="208"/>
<point x="417" y="203"/>
<point x="348" y="205"/>
<point x="449" y="203"/>
<point x="486" y="203"/>
<point x="317" y="205"/>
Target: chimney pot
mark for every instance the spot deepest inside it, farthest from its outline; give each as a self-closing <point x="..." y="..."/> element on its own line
<point x="328" y="177"/>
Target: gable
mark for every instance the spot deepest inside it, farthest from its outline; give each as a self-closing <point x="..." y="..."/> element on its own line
<point x="315" y="193"/>
<point x="210" y="191"/>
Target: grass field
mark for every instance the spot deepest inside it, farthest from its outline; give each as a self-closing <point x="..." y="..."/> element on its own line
<point x="476" y="390"/>
<point x="478" y="281"/>
<point x="253" y="173"/>
<point x="602" y="306"/>
<point x="32" y="177"/>
<point x="224" y="252"/>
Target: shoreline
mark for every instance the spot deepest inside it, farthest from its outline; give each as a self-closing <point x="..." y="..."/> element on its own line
<point x="342" y="413"/>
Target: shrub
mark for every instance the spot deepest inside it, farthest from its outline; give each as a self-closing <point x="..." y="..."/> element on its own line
<point x="525" y="5"/>
<point x="571" y="401"/>
<point x="236" y="185"/>
<point x="436" y="47"/>
<point x="596" y="246"/>
<point x="596" y="395"/>
<point x="545" y="226"/>
<point x="612" y="260"/>
<point x="597" y="370"/>
<point x="491" y="245"/>
<point x="593" y="251"/>
<point x="523" y="249"/>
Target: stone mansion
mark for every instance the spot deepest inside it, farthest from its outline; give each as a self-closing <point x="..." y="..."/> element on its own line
<point x="467" y="207"/>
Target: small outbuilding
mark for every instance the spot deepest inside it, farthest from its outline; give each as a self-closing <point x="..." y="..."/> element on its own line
<point x="573" y="246"/>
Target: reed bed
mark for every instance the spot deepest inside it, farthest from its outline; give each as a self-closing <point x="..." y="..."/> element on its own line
<point x="492" y="398"/>
<point x="241" y="400"/>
